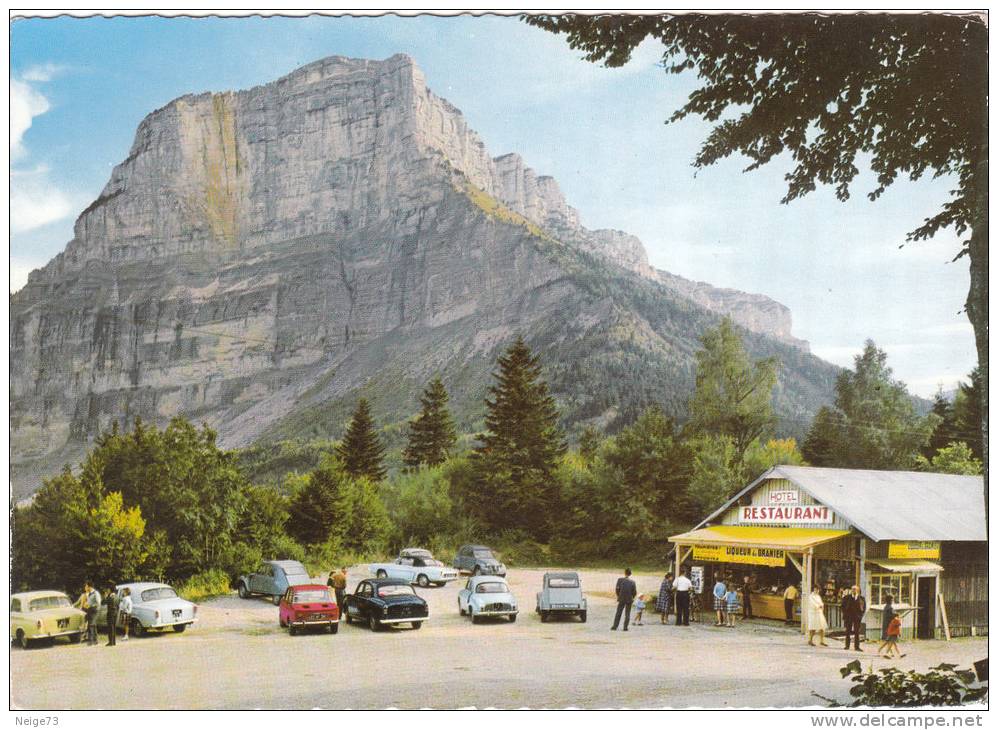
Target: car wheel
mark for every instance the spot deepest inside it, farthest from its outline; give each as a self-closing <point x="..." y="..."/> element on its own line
<point x="180" y="628"/>
<point x="243" y="593"/>
<point x="346" y="616"/>
<point x="373" y="623"/>
<point x="459" y="609"/>
<point x="512" y="618"/>
<point x="382" y="574"/>
<point x="422" y="581"/>
<point x="22" y="640"/>
<point x="544" y="617"/>
<point x="416" y="625"/>
<point x="138" y="630"/>
<point x="334" y="628"/>
<point x="474" y="619"/>
<point x="76" y="638"/>
<point x="276" y="600"/>
<point x="292" y="630"/>
<point x="582" y="615"/>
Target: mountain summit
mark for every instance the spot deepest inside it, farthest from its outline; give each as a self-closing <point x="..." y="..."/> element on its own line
<point x="263" y="257"/>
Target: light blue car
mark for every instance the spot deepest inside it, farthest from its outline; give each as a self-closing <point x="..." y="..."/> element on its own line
<point x="487" y="596"/>
<point x="561" y="595"/>
<point x="273" y="578"/>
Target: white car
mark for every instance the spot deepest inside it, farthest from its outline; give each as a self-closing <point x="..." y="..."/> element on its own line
<point x="155" y="607"/>
<point x="416" y="566"/>
<point x="486" y="595"/>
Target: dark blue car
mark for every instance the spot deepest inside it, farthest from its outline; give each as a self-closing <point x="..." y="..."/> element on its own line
<point x="385" y="601"/>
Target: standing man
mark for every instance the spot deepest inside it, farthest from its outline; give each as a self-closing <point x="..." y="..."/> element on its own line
<point x="789" y="597"/>
<point x="747" y="596"/>
<point x="91" y="604"/>
<point x="683" y="586"/>
<point x="626" y="590"/>
<point x="111" y="601"/>
<point x="338" y="581"/>
<point x="853" y="608"/>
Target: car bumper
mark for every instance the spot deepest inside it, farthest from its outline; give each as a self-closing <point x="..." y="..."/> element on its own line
<point x="497" y="613"/>
<point x="406" y="620"/>
<point x="56" y="634"/>
<point x="315" y="622"/>
<point x="169" y="624"/>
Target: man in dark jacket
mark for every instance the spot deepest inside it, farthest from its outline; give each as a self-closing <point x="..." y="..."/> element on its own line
<point x="627" y="589"/>
<point x="853" y="608"/>
<point x="111" y="601"/>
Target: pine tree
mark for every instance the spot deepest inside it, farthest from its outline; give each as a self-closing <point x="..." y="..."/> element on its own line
<point x="515" y="462"/>
<point x="361" y="450"/>
<point x="967" y="412"/>
<point x="945" y="431"/>
<point x="821" y="446"/>
<point x="431" y="434"/>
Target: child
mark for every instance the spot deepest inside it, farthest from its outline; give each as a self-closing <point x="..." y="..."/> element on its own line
<point x="639" y="606"/>
<point x="125" y="609"/>
<point x="893" y="635"/>
<point x="733" y="605"/>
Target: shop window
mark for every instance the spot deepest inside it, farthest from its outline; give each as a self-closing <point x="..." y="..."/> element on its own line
<point x="897" y="584"/>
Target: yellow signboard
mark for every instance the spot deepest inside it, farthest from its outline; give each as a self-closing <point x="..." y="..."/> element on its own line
<point x="906" y="550"/>
<point x="733" y="554"/>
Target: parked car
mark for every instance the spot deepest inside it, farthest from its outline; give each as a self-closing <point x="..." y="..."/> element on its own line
<point x="415" y="566"/>
<point x="486" y="595"/>
<point x="308" y="606"/>
<point x="385" y="601"/>
<point x="38" y="615"/>
<point x="478" y="560"/>
<point x="273" y="578"/>
<point x="561" y="594"/>
<point x="155" y="607"/>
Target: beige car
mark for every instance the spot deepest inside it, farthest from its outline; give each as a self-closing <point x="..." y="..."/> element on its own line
<point x="44" y="615"/>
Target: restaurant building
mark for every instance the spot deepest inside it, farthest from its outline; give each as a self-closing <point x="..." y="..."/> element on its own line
<point x="919" y="536"/>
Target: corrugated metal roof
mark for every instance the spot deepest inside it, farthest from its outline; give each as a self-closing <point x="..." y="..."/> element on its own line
<point x="907" y="566"/>
<point x="892" y="505"/>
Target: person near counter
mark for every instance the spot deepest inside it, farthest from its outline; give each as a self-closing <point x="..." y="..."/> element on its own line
<point x="747" y="596"/>
<point x="683" y="588"/>
<point x="789" y="597"/>
<point x="720" y="601"/>
<point x="853" y="608"/>
<point x="816" y="621"/>
<point x="887" y="615"/>
<point x="664" y="600"/>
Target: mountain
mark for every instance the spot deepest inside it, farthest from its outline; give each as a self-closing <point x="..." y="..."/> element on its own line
<point x="263" y="257"/>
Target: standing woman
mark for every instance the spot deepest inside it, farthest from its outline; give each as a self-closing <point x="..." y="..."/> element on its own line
<point x="816" y="621"/>
<point x="720" y="600"/>
<point x="664" y="600"/>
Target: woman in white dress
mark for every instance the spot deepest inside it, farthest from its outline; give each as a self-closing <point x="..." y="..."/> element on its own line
<point x="816" y="621"/>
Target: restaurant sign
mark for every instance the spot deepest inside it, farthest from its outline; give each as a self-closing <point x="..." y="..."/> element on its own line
<point x="734" y="554"/>
<point x="902" y="550"/>
<point x="802" y="514"/>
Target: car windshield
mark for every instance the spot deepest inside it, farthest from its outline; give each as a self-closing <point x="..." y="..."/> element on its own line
<point x="158" y="594"/>
<point x="41" y="604"/>
<point x="315" y="596"/>
<point x="487" y="554"/>
<point x="385" y="591"/>
<point x="493" y="587"/>
<point x="563" y="581"/>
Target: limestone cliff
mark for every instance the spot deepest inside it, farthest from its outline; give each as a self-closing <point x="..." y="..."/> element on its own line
<point x="263" y="256"/>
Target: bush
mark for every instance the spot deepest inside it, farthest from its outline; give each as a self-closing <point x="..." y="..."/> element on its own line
<point x="890" y="687"/>
<point x="202" y="586"/>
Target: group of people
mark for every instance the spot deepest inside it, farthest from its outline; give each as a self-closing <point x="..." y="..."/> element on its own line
<point x="119" y="610"/>
<point x="727" y="604"/>
<point x="338" y="582"/>
<point x="679" y="591"/>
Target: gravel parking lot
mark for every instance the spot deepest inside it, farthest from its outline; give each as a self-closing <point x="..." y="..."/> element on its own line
<point x="236" y="657"/>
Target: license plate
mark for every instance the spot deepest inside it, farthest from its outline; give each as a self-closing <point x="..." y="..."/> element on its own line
<point x="178" y="612"/>
<point x="63" y="623"/>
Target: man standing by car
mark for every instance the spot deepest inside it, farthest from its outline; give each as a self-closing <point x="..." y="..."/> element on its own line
<point x="683" y="586"/>
<point x="111" y="601"/>
<point x="338" y="582"/>
<point x="853" y="608"/>
<point x="90" y="603"/>
<point x="627" y="589"/>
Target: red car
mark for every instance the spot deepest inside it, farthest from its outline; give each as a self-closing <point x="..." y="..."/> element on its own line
<point x="307" y="606"/>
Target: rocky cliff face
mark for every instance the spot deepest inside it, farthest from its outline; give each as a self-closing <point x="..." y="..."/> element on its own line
<point x="263" y="256"/>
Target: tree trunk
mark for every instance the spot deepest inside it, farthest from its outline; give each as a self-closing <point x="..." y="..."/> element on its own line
<point x="977" y="300"/>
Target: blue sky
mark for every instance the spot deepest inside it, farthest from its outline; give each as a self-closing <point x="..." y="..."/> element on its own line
<point x="79" y="88"/>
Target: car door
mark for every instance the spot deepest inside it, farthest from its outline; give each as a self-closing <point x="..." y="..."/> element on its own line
<point x="404" y="569"/>
<point x="359" y="605"/>
<point x="279" y="582"/>
<point x="256" y="579"/>
<point x="460" y="560"/>
<point x="284" y="611"/>
<point x="16" y="617"/>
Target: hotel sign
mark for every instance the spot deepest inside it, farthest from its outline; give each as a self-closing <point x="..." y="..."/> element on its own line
<point x="733" y="554"/>
<point x="907" y="550"/>
<point x="801" y="514"/>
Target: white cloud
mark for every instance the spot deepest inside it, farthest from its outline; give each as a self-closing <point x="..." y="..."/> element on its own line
<point x="35" y="202"/>
<point x="42" y="73"/>
<point x="26" y="103"/>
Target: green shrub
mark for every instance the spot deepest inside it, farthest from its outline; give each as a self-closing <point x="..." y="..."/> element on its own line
<point x="202" y="586"/>
<point x="942" y="685"/>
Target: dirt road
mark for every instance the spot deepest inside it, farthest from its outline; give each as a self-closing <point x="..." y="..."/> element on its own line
<point x="236" y="657"/>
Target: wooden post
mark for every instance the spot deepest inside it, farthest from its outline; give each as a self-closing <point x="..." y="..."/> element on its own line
<point x="806" y="581"/>
<point x="942" y="611"/>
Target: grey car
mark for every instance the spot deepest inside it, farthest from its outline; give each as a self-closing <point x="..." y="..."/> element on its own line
<point x="478" y="560"/>
<point x="272" y="579"/>
<point x="561" y="595"/>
